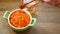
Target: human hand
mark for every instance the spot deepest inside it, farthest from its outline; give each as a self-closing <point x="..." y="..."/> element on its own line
<point x="52" y="2"/>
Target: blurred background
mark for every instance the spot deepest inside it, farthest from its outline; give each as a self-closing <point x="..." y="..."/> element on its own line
<point x="48" y="18"/>
<point x="8" y="4"/>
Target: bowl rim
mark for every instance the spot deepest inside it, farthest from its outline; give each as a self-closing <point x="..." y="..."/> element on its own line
<point x="24" y="11"/>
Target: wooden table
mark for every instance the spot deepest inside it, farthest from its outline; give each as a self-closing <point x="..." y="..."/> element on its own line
<point x="48" y="19"/>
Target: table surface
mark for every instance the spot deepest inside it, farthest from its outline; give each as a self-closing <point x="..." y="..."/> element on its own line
<point x="48" y="19"/>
